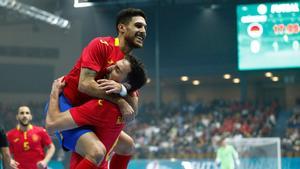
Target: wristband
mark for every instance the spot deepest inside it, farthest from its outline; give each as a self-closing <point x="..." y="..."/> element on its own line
<point x="123" y="91"/>
<point x="127" y="86"/>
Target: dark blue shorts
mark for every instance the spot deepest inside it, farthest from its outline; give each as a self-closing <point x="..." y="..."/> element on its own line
<point x="68" y="138"/>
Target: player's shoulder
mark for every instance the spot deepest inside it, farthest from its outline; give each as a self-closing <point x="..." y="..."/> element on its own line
<point x="11" y="132"/>
<point x="105" y="44"/>
<point x="105" y="40"/>
<point x="39" y="129"/>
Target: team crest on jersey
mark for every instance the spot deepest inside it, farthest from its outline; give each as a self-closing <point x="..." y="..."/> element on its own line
<point x="110" y="62"/>
<point x="16" y="140"/>
<point x="35" y="138"/>
<point x="100" y="102"/>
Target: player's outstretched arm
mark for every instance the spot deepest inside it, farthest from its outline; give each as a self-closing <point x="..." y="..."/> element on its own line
<point x="56" y="120"/>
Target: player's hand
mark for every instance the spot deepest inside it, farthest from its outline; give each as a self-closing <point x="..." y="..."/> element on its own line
<point x="41" y="164"/>
<point x="57" y="86"/>
<point x="127" y="111"/>
<point x="13" y="164"/>
<point x="109" y="86"/>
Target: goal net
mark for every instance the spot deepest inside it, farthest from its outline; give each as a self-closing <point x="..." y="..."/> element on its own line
<point x="257" y="153"/>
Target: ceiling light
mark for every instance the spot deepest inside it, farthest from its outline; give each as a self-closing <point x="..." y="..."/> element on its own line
<point x="268" y="74"/>
<point x="275" y="79"/>
<point x="196" y="82"/>
<point x="184" y="78"/>
<point x="236" y="80"/>
<point x="35" y="13"/>
<point x="226" y="76"/>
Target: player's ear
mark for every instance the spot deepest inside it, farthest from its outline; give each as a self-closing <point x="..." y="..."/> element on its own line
<point x="30" y="117"/>
<point x="121" y="28"/>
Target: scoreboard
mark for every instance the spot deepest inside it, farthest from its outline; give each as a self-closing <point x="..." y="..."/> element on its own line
<point x="268" y="36"/>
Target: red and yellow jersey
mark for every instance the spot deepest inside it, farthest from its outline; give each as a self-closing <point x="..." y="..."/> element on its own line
<point x="99" y="114"/>
<point x="100" y="53"/>
<point x="27" y="147"/>
<point x="105" y="120"/>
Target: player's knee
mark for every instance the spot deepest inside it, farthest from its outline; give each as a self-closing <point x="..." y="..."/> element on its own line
<point x="96" y="153"/>
<point x="128" y="148"/>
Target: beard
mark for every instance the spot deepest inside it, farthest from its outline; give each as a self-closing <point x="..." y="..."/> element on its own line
<point x="133" y="45"/>
<point x="131" y="42"/>
<point x="24" y="124"/>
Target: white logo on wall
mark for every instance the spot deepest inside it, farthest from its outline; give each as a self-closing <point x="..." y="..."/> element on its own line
<point x="156" y="165"/>
<point x="198" y="165"/>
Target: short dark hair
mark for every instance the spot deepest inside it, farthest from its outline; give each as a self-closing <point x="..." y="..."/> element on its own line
<point x="137" y="77"/>
<point x="125" y="15"/>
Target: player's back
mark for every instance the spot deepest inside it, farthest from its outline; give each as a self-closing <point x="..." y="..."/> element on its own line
<point x="100" y="53"/>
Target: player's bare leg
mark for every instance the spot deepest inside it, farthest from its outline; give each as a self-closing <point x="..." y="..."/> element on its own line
<point x="125" y="145"/>
<point x="91" y="148"/>
<point x="123" y="152"/>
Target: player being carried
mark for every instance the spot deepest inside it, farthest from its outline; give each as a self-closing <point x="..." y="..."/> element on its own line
<point x="103" y="116"/>
<point x="81" y="86"/>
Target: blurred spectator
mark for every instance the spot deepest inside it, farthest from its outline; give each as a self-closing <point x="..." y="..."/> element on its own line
<point x="192" y="128"/>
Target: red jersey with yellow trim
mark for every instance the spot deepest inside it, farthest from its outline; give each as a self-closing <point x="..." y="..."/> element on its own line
<point x="27" y="147"/>
<point x="99" y="54"/>
<point x="105" y="120"/>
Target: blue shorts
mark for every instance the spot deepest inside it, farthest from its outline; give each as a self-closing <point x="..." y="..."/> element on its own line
<point x="68" y="138"/>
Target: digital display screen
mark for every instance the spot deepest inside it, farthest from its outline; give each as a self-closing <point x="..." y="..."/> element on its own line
<point x="268" y="36"/>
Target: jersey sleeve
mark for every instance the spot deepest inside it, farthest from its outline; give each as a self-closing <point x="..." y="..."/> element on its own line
<point x="94" y="56"/>
<point x="46" y="140"/>
<point x="3" y="138"/>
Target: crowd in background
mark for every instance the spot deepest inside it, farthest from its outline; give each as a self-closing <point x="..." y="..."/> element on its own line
<point x="291" y="139"/>
<point x="190" y="130"/>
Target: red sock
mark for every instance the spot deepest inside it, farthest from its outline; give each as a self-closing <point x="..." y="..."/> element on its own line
<point x="75" y="160"/>
<point x="119" y="161"/>
<point x="86" y="164"/>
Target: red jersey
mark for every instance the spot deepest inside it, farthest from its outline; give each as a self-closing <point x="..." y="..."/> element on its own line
<point x="100" y="53"/>
<point x="105" y="119"/>
<point x="27" y="147"/>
